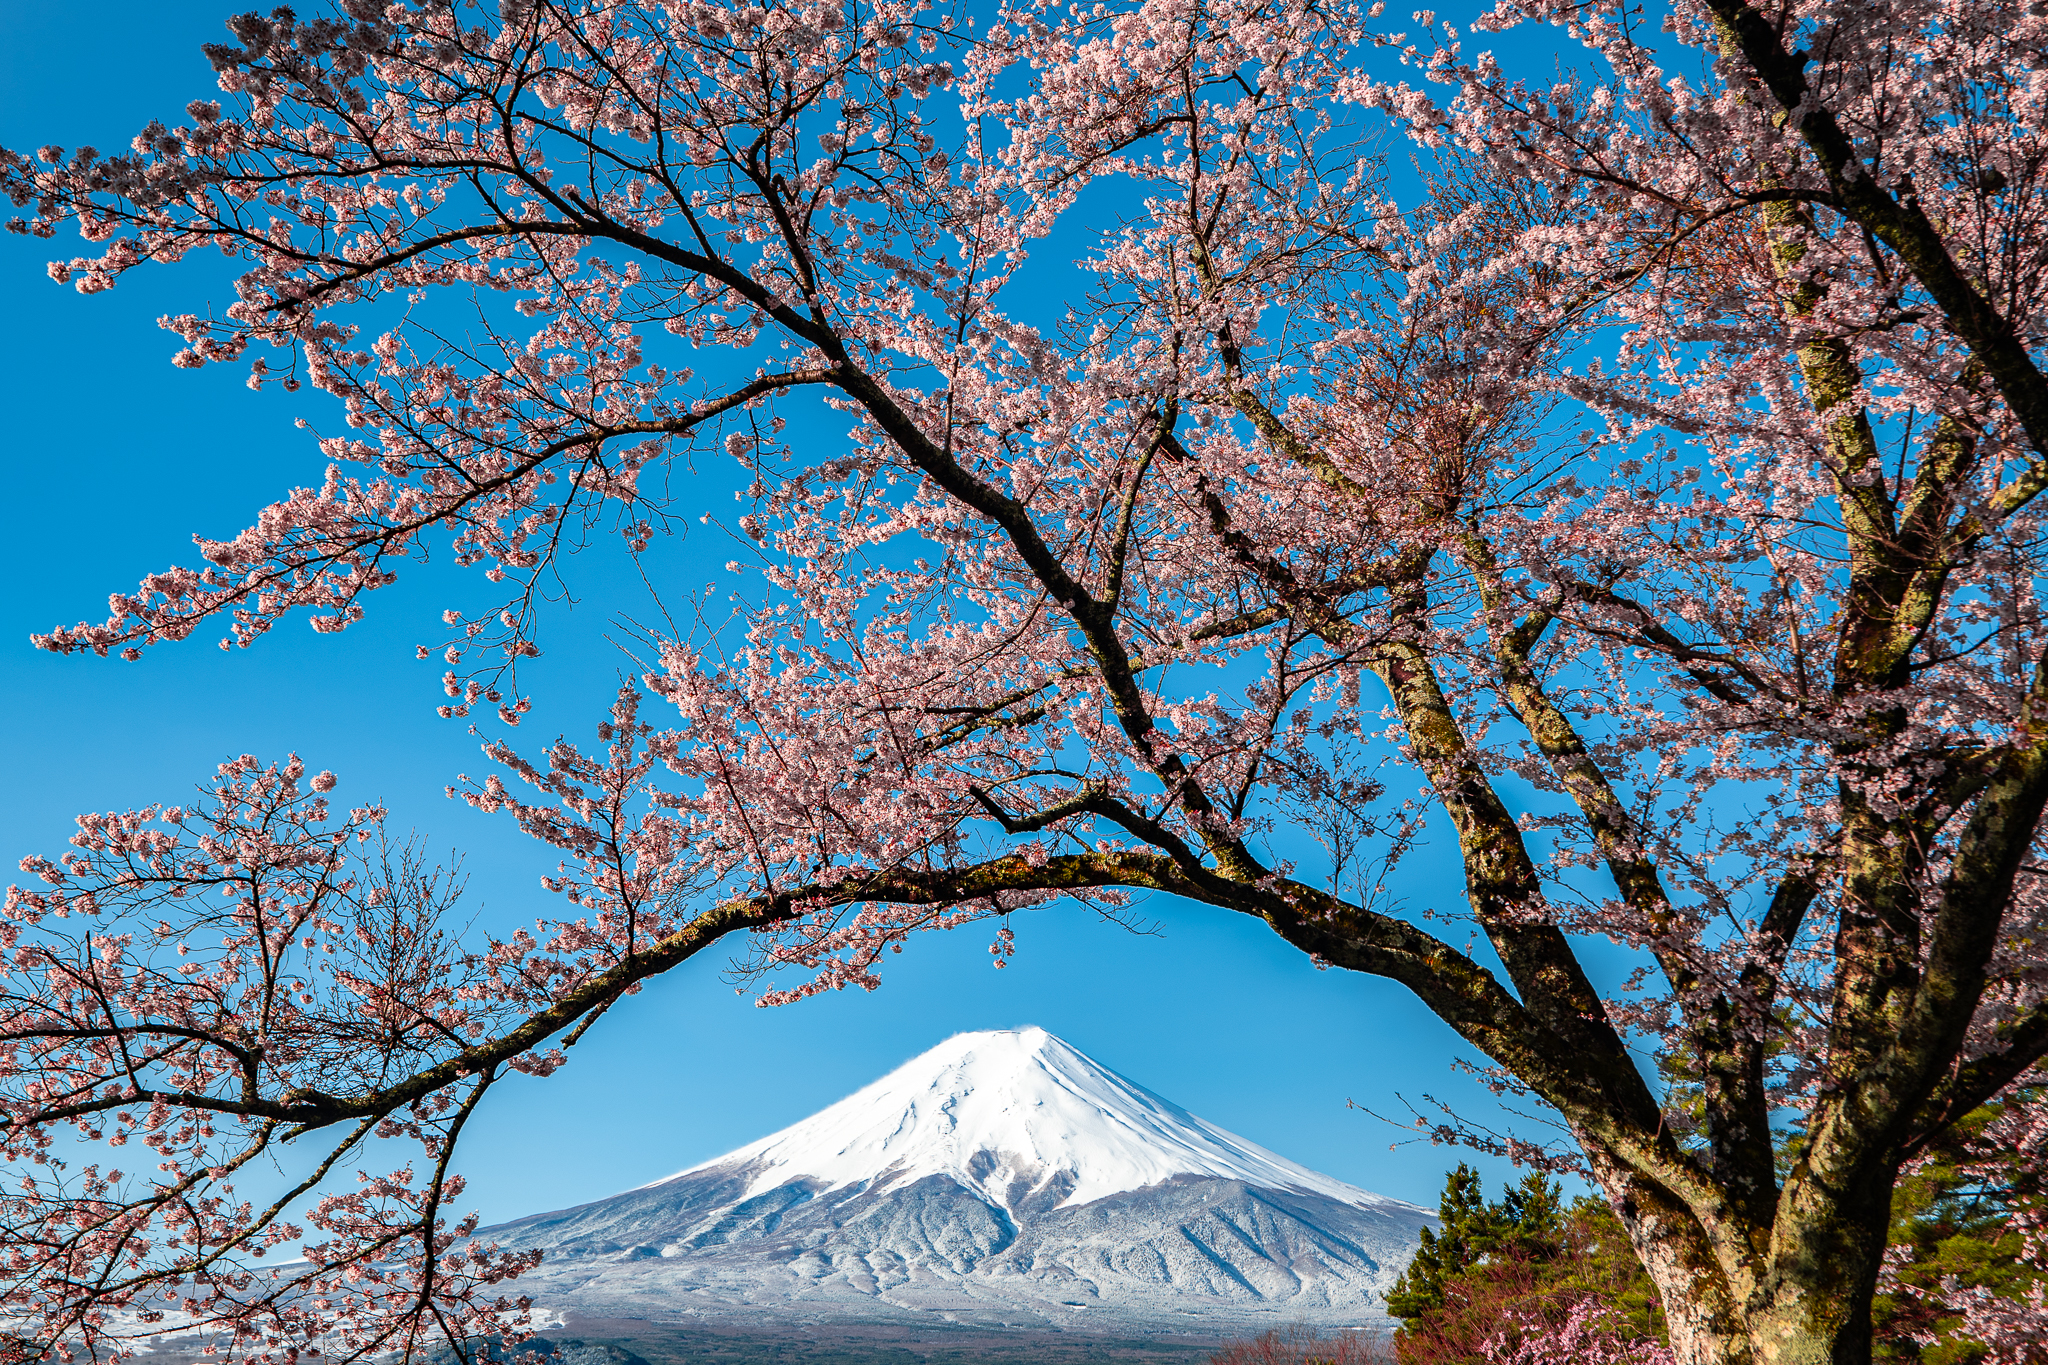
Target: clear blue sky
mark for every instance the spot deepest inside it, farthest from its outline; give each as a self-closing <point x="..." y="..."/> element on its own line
<point x="112" y="459"/>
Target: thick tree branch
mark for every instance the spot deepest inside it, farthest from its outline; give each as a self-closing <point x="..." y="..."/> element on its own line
<point x="1900" y="225"/>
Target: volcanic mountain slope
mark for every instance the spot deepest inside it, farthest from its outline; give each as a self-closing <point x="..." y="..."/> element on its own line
<point x="1000" y="1178"/>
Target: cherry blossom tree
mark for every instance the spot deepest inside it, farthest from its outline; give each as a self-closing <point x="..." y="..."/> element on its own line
<point x="244" y="951"/>
<point x="1646" y="505"/>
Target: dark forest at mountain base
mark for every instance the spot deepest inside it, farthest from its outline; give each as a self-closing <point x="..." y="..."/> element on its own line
<point x="629" y="1342"/>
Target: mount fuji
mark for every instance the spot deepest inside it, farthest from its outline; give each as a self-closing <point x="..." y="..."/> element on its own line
<point x="1000" y="1179"/>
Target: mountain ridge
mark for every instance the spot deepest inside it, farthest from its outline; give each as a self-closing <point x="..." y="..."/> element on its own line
<point x="1000" y="1178"/>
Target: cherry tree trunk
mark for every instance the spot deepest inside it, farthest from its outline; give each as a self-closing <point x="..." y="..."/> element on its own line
<point x="1794" y="1291"/>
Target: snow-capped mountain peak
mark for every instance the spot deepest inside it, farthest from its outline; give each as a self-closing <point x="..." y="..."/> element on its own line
<point x="1001" y="1178"/>
<point x="1010" y="1114"/>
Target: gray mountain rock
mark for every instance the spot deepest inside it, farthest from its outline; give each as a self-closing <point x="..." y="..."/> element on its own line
<point x="999" y="1179"/>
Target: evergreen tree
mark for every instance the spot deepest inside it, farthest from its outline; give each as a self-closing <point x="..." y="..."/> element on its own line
<point x="1466" y="1230"/>
<point x="1527" y="1222"/>
<point x="1525" y="1255"/>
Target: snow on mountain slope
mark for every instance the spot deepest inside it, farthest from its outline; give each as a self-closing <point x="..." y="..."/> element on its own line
<point x="1002" y="1178"/>
<point x="1031" y="1098"/>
